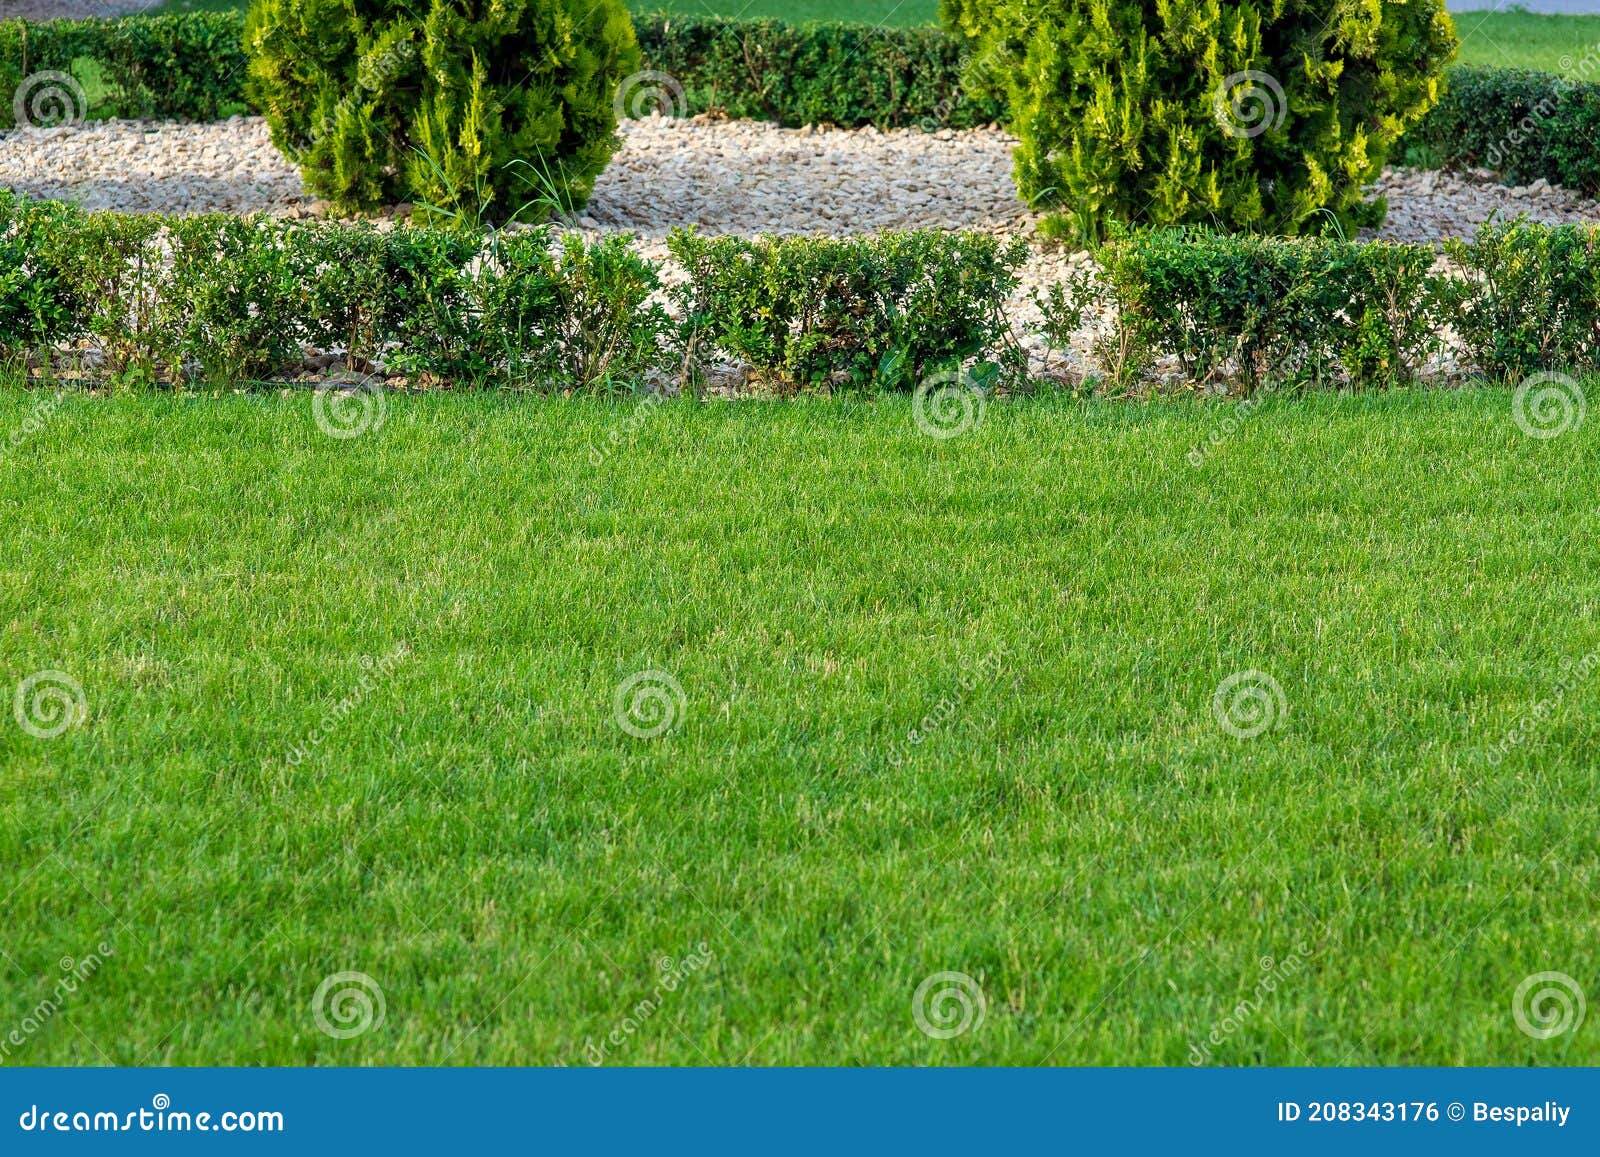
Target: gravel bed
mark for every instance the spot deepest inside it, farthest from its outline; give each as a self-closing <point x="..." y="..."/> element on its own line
<point x="725" y="176"/>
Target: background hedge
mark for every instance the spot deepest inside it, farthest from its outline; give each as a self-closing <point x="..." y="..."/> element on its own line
<point x="188" y="67"/>
<point x="1522" y="123"/>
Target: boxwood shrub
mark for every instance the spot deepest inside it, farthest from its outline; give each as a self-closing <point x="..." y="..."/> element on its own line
<point x="223" y="299"/>
<point x="1253" y="309"/>
<point x="887" y="309"/>
<point x="1530" y="297"/>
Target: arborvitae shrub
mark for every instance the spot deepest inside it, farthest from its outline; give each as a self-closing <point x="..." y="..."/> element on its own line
<point x="1237" y="115"/>
<point x="476" y="109"/>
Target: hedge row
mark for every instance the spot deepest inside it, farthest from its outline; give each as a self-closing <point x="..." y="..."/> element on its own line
<point x="1523" y="298"/>
<point x="1521" y="123"/>
<point x="227" y="299"/>
<point x="192" y="66"/>
<point x="189" y="66"/>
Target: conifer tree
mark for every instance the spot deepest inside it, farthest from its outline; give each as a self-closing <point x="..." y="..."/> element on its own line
<point x="486" y="109"/>
<point x="1237" y="114"/>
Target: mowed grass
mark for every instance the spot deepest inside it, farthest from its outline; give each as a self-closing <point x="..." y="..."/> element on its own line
<point x="1051" y="599"/>
<point x="1569" y="45"/>
<point x="1501" y="39"/>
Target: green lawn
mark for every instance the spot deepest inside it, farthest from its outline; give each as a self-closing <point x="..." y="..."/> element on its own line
<point x="1506" y="39"/>
<point x="1059" y="592"/>
<point x="1525" y="40"/>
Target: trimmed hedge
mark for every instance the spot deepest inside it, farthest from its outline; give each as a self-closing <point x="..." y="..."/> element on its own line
<point x="1252" y="309"/>
<point x="888" y="309"/>
<point x="189" y="66"/>
<point x="793" y="74"/>
<point x="224" y="299"/>
<point x="1247" y="310"/>
<point x="798" y="74"/>
<point x="1531" y="297"/>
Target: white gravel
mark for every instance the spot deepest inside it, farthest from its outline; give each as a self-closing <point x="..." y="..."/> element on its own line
<point x="726" y="176"/>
